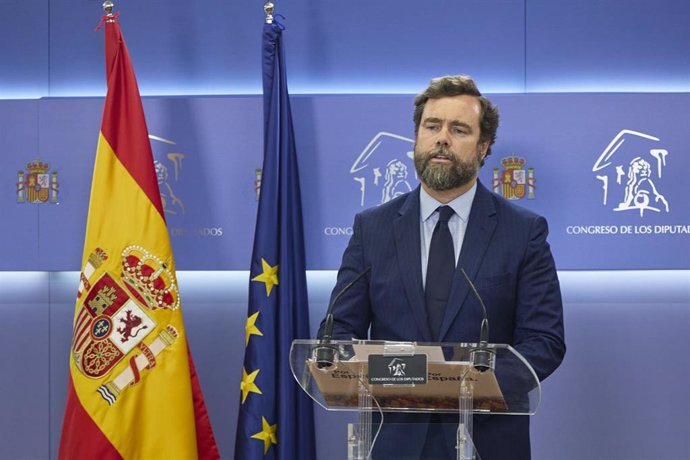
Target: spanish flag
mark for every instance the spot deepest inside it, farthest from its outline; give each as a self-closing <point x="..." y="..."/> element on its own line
<point x="133" y="392"/>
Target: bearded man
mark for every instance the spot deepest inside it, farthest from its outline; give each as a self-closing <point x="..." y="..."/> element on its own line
<point x="417" y="246"/>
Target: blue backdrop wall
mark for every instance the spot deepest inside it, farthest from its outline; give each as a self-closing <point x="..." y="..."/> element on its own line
<point x="589" y="92"/>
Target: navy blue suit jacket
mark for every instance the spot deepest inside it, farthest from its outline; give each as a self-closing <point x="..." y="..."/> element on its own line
<point x="504" y="252"/>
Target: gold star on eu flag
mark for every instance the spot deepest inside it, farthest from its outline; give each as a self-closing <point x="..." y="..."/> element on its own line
<point x="267" y="434"/>
<point x="247" y="385"/>
<point x="269" y="276"/>
<point x="250" y="328"/>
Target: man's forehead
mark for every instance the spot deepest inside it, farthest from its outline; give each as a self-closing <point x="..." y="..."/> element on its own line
<point x="463" y="108"/>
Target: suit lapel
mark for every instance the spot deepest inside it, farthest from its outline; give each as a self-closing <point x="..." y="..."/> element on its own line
<point x="408" y="244"/>
<point x="480" y="230"/>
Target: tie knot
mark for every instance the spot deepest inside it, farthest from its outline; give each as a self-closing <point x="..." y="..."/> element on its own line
<point x="445" y="213"/>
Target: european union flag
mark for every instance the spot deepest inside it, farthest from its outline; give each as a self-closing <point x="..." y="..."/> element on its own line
<point x="276" y="417"/>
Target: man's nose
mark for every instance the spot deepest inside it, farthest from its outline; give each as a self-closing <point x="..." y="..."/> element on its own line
<point x="443" y="137"/>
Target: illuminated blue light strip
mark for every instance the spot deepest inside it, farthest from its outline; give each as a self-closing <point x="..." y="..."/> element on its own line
<point x="375" y="89"/>
<point x="605" y="286"/>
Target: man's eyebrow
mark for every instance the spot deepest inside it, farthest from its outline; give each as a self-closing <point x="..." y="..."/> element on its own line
<point x="461" y="123"/>
<point x="453" y="123"/>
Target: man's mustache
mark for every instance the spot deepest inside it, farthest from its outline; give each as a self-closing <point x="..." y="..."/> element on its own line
<point x="441" y="152"/>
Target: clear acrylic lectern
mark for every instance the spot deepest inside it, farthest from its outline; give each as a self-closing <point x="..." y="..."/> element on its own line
<point x="377" y="377"/>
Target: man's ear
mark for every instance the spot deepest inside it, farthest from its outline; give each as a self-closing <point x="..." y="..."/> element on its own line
<point x="483" y="148"/>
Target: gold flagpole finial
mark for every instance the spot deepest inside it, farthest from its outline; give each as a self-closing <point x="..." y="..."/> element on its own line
<point x="108" y="7"/>
<point x="268" y="8"/>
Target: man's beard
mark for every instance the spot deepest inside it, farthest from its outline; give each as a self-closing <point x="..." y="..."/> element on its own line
<point x="442" y="177"/>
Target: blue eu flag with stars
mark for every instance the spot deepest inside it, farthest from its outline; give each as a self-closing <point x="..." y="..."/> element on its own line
<point x="276" y="418"/>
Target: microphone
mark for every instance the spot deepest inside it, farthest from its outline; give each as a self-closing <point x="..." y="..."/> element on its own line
<point x="481" y="357"/>
<point x="324" y="351"/>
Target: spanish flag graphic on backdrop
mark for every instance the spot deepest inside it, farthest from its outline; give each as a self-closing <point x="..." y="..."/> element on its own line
<point x="133" y="392"/>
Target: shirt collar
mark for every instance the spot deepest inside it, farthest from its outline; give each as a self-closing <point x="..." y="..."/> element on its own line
<point x="461" y="205"/>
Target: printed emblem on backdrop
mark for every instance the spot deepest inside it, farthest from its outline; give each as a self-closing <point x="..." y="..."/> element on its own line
<point x="514" y="182"/>
<point x="384" y="169"/>
<point x="115" y="317"/>
<point x="169" y="162"/>
<point x="37" y="184"/>
<point x="168" y="173"/>
<point x="630" y="170"/>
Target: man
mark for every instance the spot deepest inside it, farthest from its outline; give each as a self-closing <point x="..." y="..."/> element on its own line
<point x="416" y="291"/>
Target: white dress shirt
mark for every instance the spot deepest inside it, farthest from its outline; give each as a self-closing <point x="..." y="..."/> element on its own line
<point x="457" y="223"/>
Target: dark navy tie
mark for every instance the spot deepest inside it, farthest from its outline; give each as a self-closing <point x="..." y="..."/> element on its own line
<point x="439" y="271"/>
